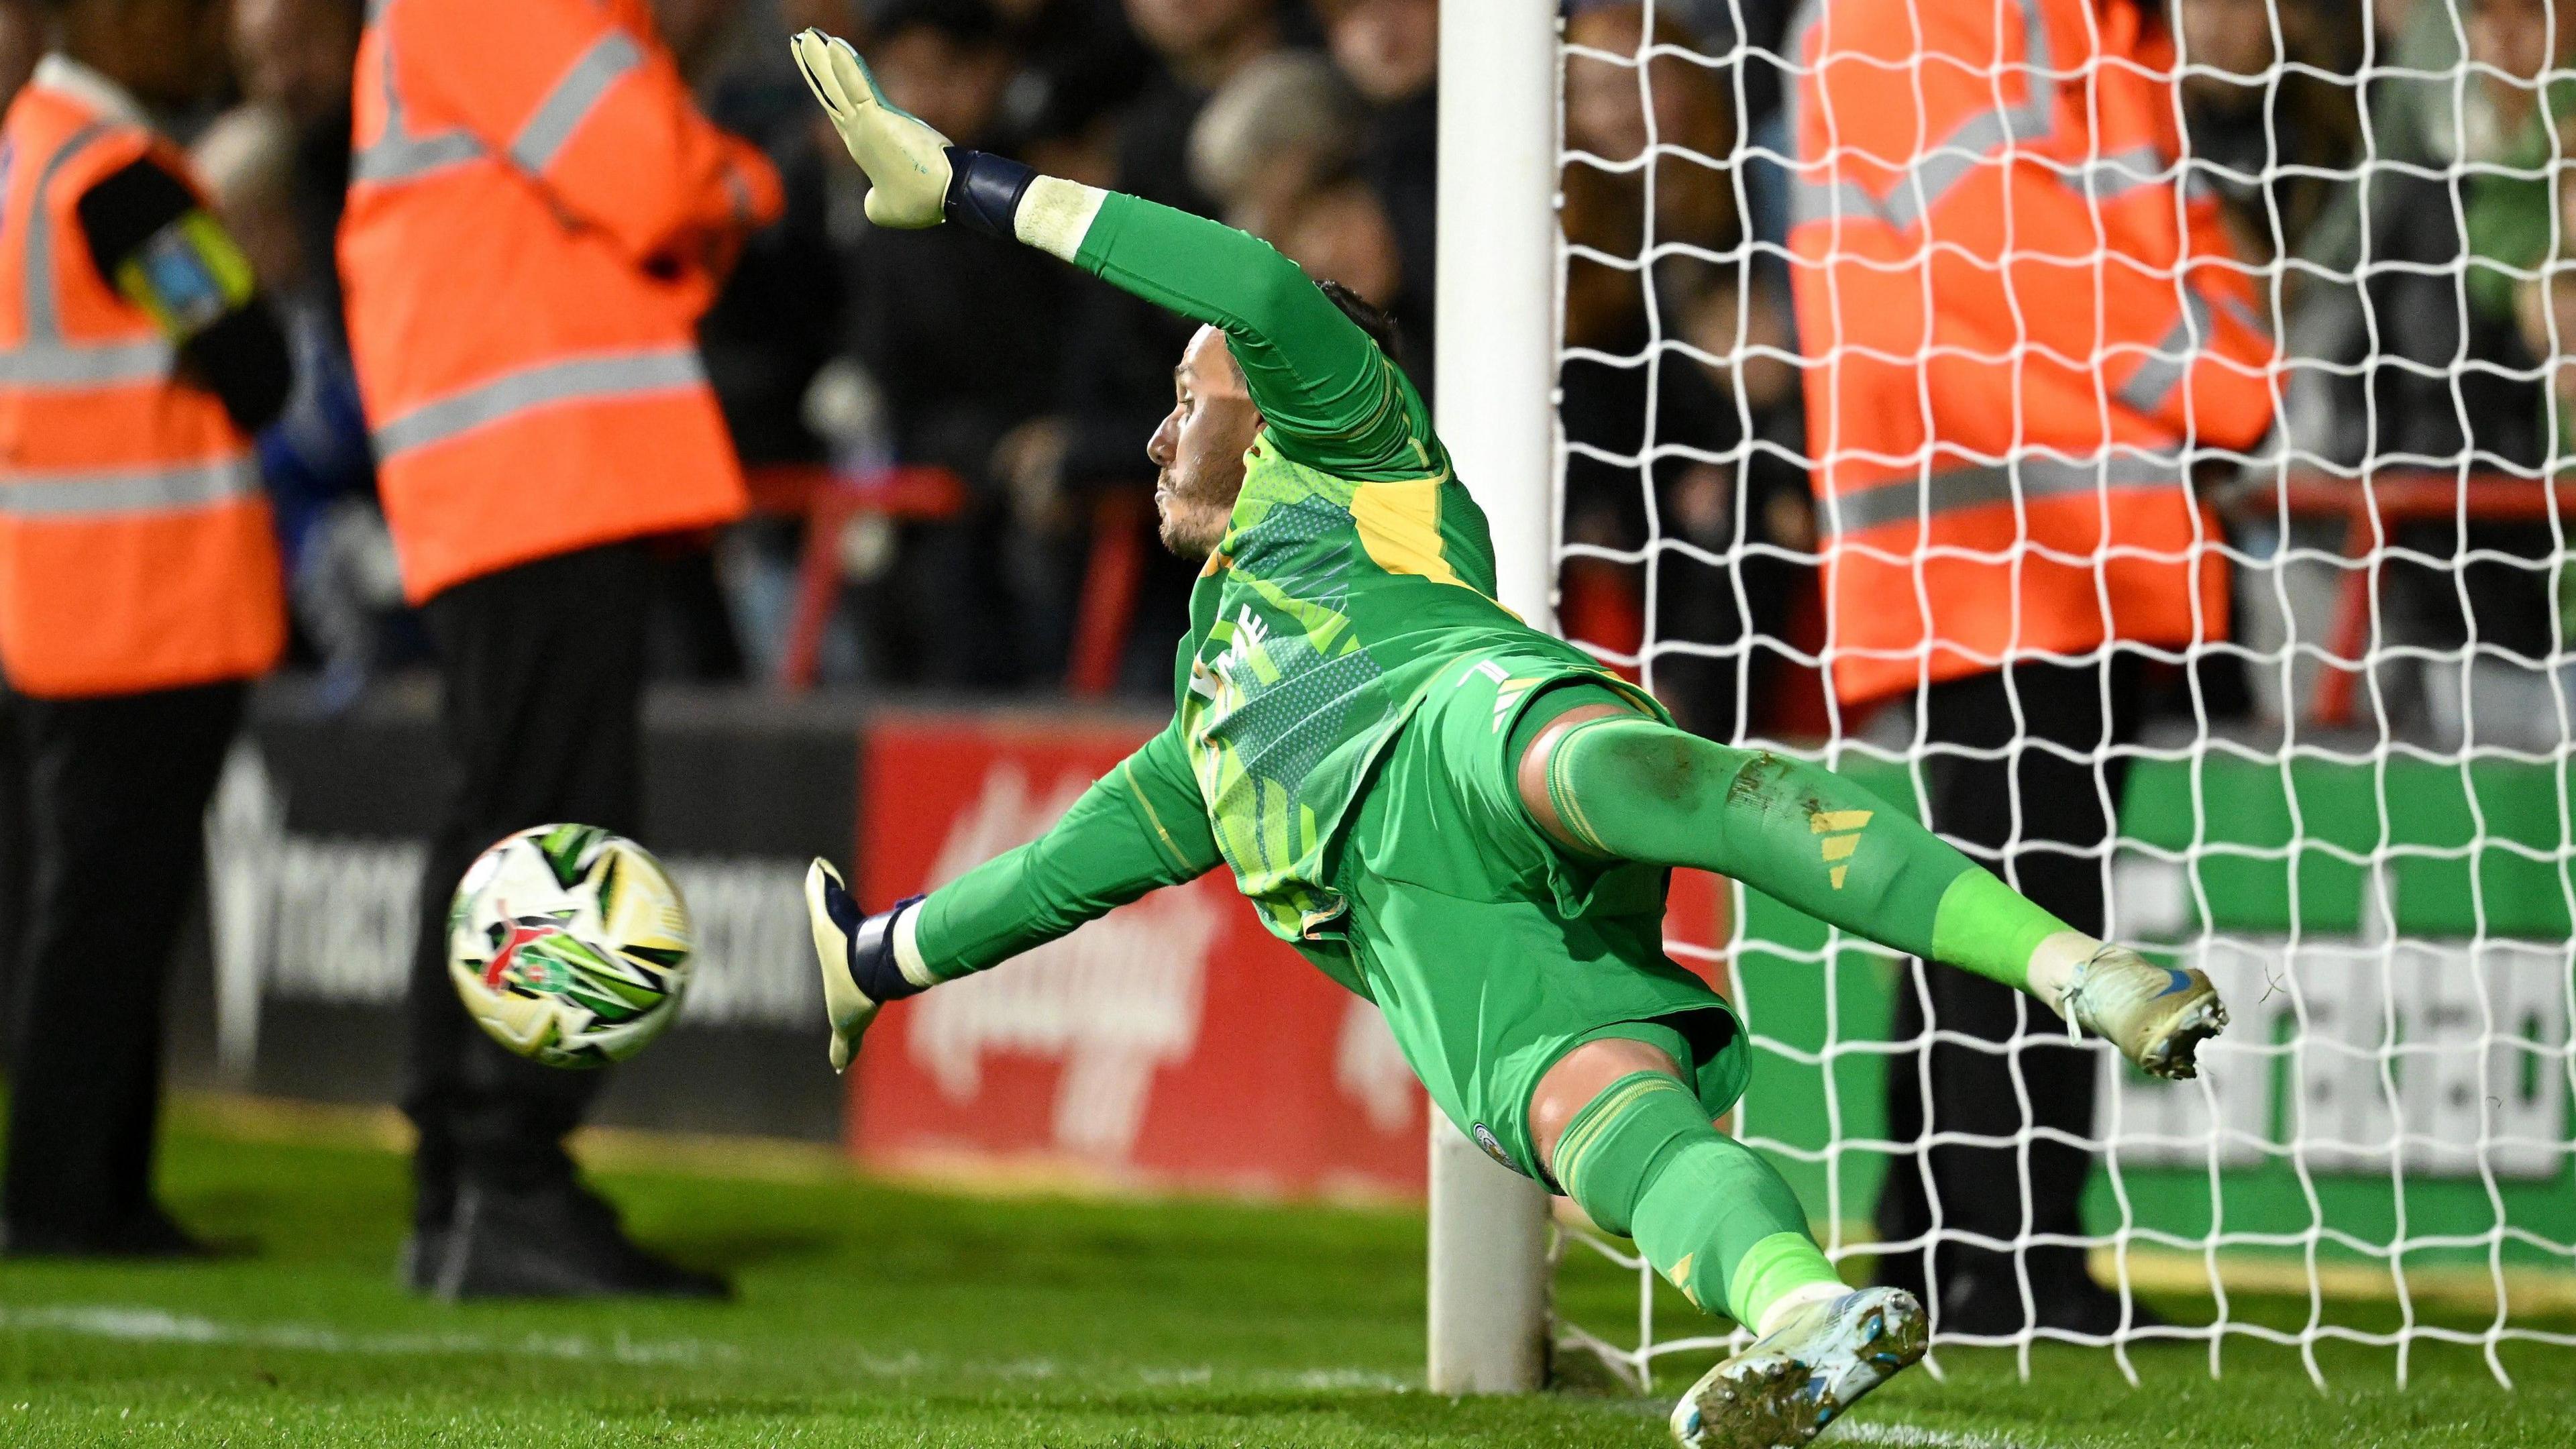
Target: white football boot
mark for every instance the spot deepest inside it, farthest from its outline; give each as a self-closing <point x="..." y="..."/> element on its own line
<point x="2156" y="1015"/>
<point x="842" y="933"/>
<point x="1790" y="1383"/>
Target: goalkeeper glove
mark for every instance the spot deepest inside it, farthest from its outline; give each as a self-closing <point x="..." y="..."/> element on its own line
<point x="906" y="161"/>
<point x="915" y="178"/>
<point x="856" y="952"/>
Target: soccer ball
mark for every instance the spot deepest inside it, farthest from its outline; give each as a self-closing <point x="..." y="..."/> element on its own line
<point x="570" y="945"/>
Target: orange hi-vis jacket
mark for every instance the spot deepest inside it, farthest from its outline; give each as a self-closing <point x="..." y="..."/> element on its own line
<point x="537" y="216"/>
<point x="136" y="551"/>
<point x="2022" y="326"/>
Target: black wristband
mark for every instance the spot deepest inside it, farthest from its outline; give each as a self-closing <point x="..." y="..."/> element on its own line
<point x="872" y="963"/>
<point x="984" y="191"/>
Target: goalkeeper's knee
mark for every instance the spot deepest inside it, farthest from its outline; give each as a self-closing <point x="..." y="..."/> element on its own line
<point x="1706" y="1210"/>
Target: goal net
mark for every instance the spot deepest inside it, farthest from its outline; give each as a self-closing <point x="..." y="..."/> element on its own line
<point x="2201" y="353"/>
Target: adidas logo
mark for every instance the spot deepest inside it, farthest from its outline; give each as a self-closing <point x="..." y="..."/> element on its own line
<point x="1508" y="692"/>
<point x="1841" y="831"/>
<point x="1680" y="1276"/>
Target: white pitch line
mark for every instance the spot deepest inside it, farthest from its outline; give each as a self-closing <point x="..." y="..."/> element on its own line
<point x="158" y="1325"/>
<point x="1913" y="1436"/>
<point x="1343" y="1379"/>
<point x="142" y="1324"/>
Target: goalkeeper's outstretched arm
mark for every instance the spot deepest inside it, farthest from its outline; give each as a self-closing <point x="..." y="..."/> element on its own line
<point x="1138" y="828"/>
<point x="1321" y="384"/>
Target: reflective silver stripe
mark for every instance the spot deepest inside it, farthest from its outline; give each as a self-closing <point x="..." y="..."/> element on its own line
<point x="408" y="158"/>
<point x="1939" y="171"/>
<point x="570" y="102"/>
<point x="96" y="492"/>
<point x="2113" y="176"/>
<point x="1940" y="167"/>
<point x="1982" y="485"/>
<point x="399" y="155"/>
<point x="2256" y="322"/>
<point x="1825" y="200"/>
<point x="37" y="274"/>
<point x="2152" y="386"/>
<point x="579" y="379"/>
<point x="70" y="364"/>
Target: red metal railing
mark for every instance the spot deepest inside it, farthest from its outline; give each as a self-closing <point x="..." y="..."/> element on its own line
<point x="828" y="500"/>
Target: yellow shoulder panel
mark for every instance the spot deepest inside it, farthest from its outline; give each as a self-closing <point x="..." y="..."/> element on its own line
<point x="1399" y="525"/>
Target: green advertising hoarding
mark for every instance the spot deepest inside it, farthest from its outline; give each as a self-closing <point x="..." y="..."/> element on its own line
<point x="2392" y="938"/>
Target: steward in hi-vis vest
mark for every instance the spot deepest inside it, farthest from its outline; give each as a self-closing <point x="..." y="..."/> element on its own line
<point x="139" y="589"/>
<point x="537" y="217"/>
<point x="2026" y="333"/>
<point x="533" y="229"/>
<point x="135" y="549"/>
<point x="2018" y="329"/>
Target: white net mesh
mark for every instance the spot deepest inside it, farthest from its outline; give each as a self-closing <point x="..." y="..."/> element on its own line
<point x="2189" y="367"/>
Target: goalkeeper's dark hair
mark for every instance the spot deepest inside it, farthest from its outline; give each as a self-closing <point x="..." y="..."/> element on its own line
<point x="1372" y="318"/>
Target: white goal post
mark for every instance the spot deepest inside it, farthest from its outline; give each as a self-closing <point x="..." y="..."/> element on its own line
<point x="1495" y="335"/>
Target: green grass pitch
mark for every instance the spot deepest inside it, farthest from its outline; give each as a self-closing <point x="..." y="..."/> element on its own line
<point x="876" y="1315"/>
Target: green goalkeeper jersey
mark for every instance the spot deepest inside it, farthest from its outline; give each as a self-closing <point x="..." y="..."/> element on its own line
<point x="1355" y="566"/>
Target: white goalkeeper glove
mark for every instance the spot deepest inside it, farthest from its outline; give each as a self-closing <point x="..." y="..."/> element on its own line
<point x="906" y="161"/>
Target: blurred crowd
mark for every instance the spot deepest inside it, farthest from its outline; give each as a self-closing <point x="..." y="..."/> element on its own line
<point x="2335" y="134"/>
<point x="1028" y="390"/>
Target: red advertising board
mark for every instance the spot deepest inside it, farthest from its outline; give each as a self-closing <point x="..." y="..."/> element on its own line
<point x="1172" y="1043"/>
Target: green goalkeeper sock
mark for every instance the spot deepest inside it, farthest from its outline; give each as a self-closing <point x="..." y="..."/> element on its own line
<point x="1705" y="1209"/>
<point x="1638" y="789"/>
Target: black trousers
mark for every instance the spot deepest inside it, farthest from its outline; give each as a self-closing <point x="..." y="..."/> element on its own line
<point x="2061" y="813"/>
<point x="543" y="671"/>
<point x="115" y="792"/>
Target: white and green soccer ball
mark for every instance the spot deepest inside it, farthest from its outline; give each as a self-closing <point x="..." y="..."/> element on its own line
<point x="570" y="945"/>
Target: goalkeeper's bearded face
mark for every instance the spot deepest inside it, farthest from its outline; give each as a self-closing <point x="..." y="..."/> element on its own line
<point x="1198" y="450"/>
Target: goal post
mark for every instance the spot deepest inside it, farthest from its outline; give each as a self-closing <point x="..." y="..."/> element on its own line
<point x="1495" y="340"/>
<point x="1495" y="320"/>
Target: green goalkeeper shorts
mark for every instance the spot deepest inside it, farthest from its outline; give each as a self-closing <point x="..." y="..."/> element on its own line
<point x="1492" y="951"/>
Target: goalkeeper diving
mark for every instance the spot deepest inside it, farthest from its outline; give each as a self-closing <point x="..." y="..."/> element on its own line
<point x="1462" y="819"/>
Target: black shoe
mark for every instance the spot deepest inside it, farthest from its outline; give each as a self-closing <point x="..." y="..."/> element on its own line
<point x="1981" y="1305"/>
<point x="148" y="1235"/>
<point x="1990" y="1306"/>
<point x="2088" y="1308"/>
<point x="560" y="1241"/>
